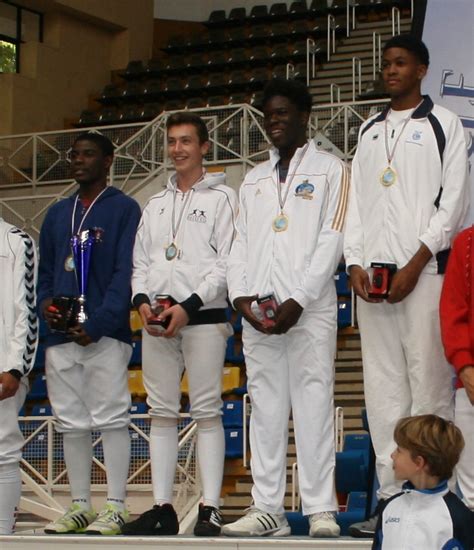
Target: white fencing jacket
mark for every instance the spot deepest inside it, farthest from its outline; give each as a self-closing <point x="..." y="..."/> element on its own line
<point x="428" y="202"/>
<point x="204" y="238"/>
<point x="300" y="262"/>
<point x="18" y="320"/>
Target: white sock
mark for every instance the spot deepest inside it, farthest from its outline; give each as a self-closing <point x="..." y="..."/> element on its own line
<point x="78" y="458"/>
<point x="10" y="492"/>
<point x="211" y="453"/>
<point x="164" y="457"/>
<point x="116" y="445"/>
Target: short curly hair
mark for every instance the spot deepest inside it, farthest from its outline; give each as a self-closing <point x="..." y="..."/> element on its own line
<point x="411" y="43"/>
<point x="294" y="90"/>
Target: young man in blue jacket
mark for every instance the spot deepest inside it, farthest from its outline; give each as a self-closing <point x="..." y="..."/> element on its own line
<point x="86" y="366"/>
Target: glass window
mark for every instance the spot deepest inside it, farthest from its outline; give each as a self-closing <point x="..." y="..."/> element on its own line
<point x="8" y="56"/>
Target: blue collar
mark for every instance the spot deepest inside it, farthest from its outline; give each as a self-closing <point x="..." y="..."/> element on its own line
<point x="440" y="488"/>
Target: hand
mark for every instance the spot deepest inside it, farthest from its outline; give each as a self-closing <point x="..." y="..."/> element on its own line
<point x="146" y="314"/>
<point x="467" y="378"/>
<point x="79" y="335"/>
<point x="360" y="282"/>
<point x="50" y="313"/>
<point x="403" y="282"/>
<point x="287" y="315"/>
<point x="9" y="384"/>
<point x="243" y="305"/>
<point x="179" y="319"/>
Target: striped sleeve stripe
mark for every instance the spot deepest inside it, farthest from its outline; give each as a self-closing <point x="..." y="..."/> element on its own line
<point x="338" y="222"/>
<point x="30" y="302"/>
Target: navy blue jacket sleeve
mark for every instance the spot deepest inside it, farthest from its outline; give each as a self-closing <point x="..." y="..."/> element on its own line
<point x="109" y="316"/>
<point x="46" y="261"/>
<point x="463" y="522"/>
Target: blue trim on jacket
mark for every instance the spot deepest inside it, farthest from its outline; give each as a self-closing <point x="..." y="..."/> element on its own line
<point x="109" y="292"/>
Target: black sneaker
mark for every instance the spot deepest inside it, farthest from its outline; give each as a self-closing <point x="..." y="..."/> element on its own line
<point x="366" y="529"/>
<point x="160" y="520"/>
<point x="209" y="522"/>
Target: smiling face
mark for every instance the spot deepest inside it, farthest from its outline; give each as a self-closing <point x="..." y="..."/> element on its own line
<point x="402" y="73"/>
<point x="284" y="124"/>
<point x="89" y="165"/>
<point x="185" y="149"/>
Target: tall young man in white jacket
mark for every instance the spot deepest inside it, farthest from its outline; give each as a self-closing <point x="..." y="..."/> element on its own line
<point x="181" y="251"/>
<point x="18" y="342"/>
<point x="289" y="243"/>
<point x="408" y="198"/>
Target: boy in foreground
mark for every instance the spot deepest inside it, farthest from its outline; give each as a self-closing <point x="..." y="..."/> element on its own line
<point x="426" y="514"/>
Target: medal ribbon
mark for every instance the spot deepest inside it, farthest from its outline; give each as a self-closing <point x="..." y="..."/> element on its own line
<point x="85" y="214"/>
<point x="391" y="154"/>
<point x="282" y="200"/>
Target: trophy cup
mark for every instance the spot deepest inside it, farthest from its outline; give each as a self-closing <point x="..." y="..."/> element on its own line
<point x="82" y="245"/>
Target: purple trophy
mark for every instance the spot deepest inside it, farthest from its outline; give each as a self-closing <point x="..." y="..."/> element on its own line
<point x="81" y="245"/>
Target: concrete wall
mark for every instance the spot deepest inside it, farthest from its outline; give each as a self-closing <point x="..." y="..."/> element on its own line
<point x="84" y="40"/>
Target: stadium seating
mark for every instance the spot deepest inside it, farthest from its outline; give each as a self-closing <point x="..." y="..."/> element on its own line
<point x="38" y="388"/>
<point x="232" y="414"/>
<point x="233" y="442"/>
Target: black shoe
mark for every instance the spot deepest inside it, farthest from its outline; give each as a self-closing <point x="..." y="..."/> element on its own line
<point x="160" y="520"/>
<point x="366" y="529"/>
<point x="209" y="522"/>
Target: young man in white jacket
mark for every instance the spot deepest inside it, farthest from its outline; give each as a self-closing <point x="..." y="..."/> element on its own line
<point x="18" y="342"/>
<point x="408" y="199"/>
<point x="181" y="250"/>
<point x="288" y="244"/>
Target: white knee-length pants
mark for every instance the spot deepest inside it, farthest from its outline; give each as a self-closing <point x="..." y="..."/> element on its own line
<point x="198" y="348"/>
<point x="11" y="438"/>
<point x="88" y="386"/>
<point x="464" y="418"/>
<point x="293" y="371"/>
<point x="405" y="370"/>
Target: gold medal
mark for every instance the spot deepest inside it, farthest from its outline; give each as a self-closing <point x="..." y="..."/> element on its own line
<point x="388" y="177"/>
<point x="69" y="263"/>
<point x="280" y="223"/>
<point x="171" y="252"/>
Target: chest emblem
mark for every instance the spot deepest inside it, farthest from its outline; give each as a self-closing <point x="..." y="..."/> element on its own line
<point x="305" y="190"/>
<point x="198" y="216"/>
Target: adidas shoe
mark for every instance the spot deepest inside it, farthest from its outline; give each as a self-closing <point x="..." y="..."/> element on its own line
<point x="366" y="529"/>
<point x="160" y="520"/>
<point x="75" y="520"/>
<point x="323" y="524"/>
<point x="109" y="521"/>
<point x="209" y="522"/>
<point x="258" y="524"/>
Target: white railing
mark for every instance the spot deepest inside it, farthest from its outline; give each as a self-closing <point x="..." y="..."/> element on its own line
<point x="310" y="60"/>
<point x="376" y="53"/>
<point x="350" y="9"/>
<point x="395" y="21"/>
<point x="331" y="36"/>
<point x="236" y="134"/>
<point x="44" y="472"/>
<point x="356" y="77"/>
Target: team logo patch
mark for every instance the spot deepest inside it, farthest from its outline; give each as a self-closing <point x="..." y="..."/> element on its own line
<point x="162" y="211"/>
<point x="198" y="216"/>
<point x="375" y="136"/>
<point x="305" y="190"/>
<point x="258" y="192"/>
<point x="416" y="135"/>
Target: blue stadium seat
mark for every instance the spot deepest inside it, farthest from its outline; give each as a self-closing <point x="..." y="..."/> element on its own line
<point x="298" y="523"/>
<point x="344" y="311"/>
<point x="357" y="442"/>
<point x="342" y="283"/>
<point x="38" y="389"/>
<point x="139" y="408"/>
<point x="233" y="442"/>
<point x="357" y="500"/>
<point x="231" y="355"/>
<point x="136" y="358"/>
<point x="232" y="416"/>
<point x="42" y="410"/>
<point x="351" y="471"/>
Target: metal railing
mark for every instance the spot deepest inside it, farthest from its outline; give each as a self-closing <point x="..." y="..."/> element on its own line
<point x="376" y="53"/>
<point x="310" y="60"/>
<point x="356" y="77"/>
<point x="44" y="472"/>
<point x="331" y="36"/>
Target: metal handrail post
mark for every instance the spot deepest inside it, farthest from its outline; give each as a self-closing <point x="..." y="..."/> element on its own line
<point x="395" y="20"/>
<point x="376" y="53"/>
<point x="310" y="56"/>
<point x="356" y="67"/>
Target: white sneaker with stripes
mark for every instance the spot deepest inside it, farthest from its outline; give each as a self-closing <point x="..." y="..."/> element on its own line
<point x="75" y="520"/>
<point x="256" y="523"/>
<point x="323" y="524"/>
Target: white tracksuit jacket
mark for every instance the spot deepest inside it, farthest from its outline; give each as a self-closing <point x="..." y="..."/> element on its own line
<point x="204" y="238"/>
<point x="390" y="223"/>
<point x="300" y="262"/>
<point x="18" y="328"/>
